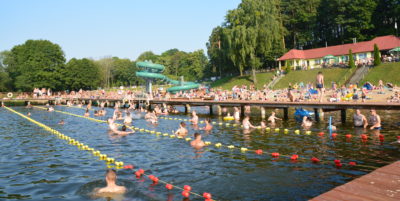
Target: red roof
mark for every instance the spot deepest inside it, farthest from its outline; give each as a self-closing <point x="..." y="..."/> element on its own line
<point x="383" y="42"/>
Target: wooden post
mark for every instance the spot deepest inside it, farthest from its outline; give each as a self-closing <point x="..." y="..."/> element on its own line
<point x="211" y="109"/>
<point x="187" y="108"/>
<point x="316" y="113"/>
<point x="285" y="113"/>
<point x="262" y="112"/>
<point x="219" y="110"/>
<point x="242" y="110"/>
<point x="343" y="115"/>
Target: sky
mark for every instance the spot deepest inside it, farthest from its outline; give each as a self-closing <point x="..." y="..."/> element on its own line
<point x="99" y="28"/>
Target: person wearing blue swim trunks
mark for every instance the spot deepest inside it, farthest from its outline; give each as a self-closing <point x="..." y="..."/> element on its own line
<point x="375" y="120"/>
<point x="320" y="85"/>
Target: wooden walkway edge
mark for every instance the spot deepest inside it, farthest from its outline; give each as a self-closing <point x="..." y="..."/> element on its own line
<point x="381" y="184"/>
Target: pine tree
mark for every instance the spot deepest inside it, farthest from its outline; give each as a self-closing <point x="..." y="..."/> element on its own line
<point x="351" y="59"/>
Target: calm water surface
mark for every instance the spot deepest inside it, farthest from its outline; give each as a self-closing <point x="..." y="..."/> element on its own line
<point x="36" y="165"/>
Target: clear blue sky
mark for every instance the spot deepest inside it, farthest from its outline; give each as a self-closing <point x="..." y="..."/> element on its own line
<point x="97" y="28"/>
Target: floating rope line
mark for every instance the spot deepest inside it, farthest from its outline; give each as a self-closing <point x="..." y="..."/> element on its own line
<point x="118" y="164"/>
<point x="275" y="155"/>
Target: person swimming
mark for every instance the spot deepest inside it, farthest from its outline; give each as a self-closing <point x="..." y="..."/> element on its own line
<point x="112" y="187"/>
<point x="246" y="123"/>
<point x="182" y="131"/>
<point x="61" y="122"/>
<point x="87" y="114"/>
<point x="236" y="114"/>
<point x="123" y="131"/>
<point x="375" y="120"/>
<point x="359" y="119"/>
<point x="195" y="118"/>
<point x="273" y="118"/>
<point x="197" y="143"/>
<point x="263" y="124"/>
<point x="208" y="126"/>
<point x="307" y="122"/>
<point x="128" y="118"/>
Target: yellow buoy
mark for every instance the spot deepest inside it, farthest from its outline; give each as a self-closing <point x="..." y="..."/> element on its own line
<point x="243" y="149"/>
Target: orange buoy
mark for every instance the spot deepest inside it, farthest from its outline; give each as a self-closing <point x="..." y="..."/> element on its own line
<point x="352" y="163"/>
<point x="294" y="157"/>
<point x="321" y="133"/>
<point x="141" y="171"/>
<point x="314" y="160"/>
<point x="207" y="195"/>
<point x="337" y="161"/>
<point x="259" y="151"/>
<point x="275" y="155"/>
<point x="187" y="188"/>
<point x="168" y="186"/>
<point x="185" y="194"/>
<point x="334" y="135"/>
<point x="138" y="174"/>
<point x="155" y="180"/>
<point x="348" y="135"/>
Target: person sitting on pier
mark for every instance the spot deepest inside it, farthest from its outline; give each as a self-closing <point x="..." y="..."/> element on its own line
<point x="112" y="187"/>
<point x="208" y="126"/>
<point x="197" y="143"/>
<point x="375" y="120"/>
<point x="307" y="122"/>
<point x="87" y="114"/>
<point x="246" y="123"/>
<point x="195" y="118"/>
<point x="360" y="120"/>
<point x="272" y="118"/>
<point x="182" y="131"/>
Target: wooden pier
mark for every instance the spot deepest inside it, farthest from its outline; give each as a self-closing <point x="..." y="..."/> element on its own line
<point x="318" y="108"/>
<point x="381" y="184"/>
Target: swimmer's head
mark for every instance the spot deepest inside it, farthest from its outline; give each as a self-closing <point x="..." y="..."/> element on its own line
<point x="194" y="112"/>
<point x="197" y="135"/>
<point x="111" y="176"/>
<point x="123" y="128"/>
<point x="95" y="112"/>
<point x="319" y="73"/>
<point x="183" y="124"/>
<point x="358" y="111"/>
<point x="208" y="120"/>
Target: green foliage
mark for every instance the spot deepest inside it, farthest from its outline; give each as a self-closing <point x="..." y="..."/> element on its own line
<point x="81" y="74"/>
<point x="36" y="63"/>
<point x="351" y="59"/>
<point x="230" y="81"/>
<point x="388" y="72"/>
<point x="384" y="17"/>
<point x="377" y="56"/>
<point x="124" y="72"/>
<point x="306" y="76"/>
<point x="287" y="69"/>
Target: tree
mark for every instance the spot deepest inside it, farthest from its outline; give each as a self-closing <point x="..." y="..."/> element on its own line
<point x="82" y="74"/>
<point x="105" y="66"/>
<point x="351" y="59"/>
<point x="5" y="81"/>
<point x="124" y="72"/>
<point x="36" y="63"/>
<point x="386" y="14"/>
<point x="148" y="56"/>
<point x="377" y="55"/>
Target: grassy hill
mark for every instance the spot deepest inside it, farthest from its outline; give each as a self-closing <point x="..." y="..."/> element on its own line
<point x="388" y="72"/>
<point x="338" y="75"/>
<point x="229" y="82"/>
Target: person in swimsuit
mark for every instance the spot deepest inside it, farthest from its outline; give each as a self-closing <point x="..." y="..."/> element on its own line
<point x="182" y="131"/>
<point x="112" y="187"/>
<point x="236" y="114"/>
<point x="197" y="143"/>
<point x="375" y="120"/>
<point x="208" y="126"/>
<point x="360" y="120"/>
<point x="246" y="123"/>
<point x="320" y="85"/>
<point x="195" y="118"/>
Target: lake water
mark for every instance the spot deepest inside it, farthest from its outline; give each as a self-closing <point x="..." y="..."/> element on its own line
<point x="36" y="165"/>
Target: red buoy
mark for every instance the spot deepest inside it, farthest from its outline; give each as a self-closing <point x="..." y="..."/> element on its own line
<point x="348" y="135"/>
<point x="352" y="163"/>
<point x="168" y="186"/>
<point x="275" y="155"/>
<point x="187" y="188"/>
<point x="338" y="165"/>
<point x="364" y="137"/>
<point x="155" y="180"/>
<point x="207" y="195"/>
<point x="334" y="135"/>
<point x="185" y="194"/>
<point x="138" y="174"/>
<point x="128" y="167"/>
<point x="141" y="171"/>
<point x="398" y="137"/>
<point x="337" y="161"/>
<point x="259" y="151"/>
<point x="314" y="160"/>
<point x="151" y="177"/>
<point x="294" y="157"/>
<point x="321" y="133"/>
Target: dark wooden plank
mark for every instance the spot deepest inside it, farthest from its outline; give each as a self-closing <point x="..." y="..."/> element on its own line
<point x="381" y="184"/>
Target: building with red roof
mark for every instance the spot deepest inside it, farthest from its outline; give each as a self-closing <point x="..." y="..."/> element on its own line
<point x="338" y="54"/>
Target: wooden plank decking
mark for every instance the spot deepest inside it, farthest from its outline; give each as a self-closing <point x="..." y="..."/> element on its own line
<point x="381" y="184"/>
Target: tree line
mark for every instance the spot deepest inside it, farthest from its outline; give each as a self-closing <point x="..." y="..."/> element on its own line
<point x="41" y="63"/>
<point x="258" y="32"/>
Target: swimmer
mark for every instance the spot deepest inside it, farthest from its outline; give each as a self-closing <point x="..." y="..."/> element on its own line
<point x="123" y="131"/>
<point x="61" y="122"/>
<point x="87" y="114"/>
<point x="128" y="118"/>
<point x="182" y="131"/>
<point x="197" y="143"/>
<point x="2" y="104"/>
<point x="272" y="118"/>
<point x="236" y="114"/>
<point x="111" y="124"/>
<point x="375" y="120"/>
<point x="208" y="126"/>
<point x="246" y="123"/>
<point x="331" y="127"/>
<point x="50" y="109"/>
<point x="307" y="122"/>
<point x="28" y="105"/>
<point x="263" y="124"/>
<point x="195" y="118"/>
<point x="112" y="187"/>
<point x="360" y="120"/>
<point x="29" y="114"/>
<point x="96" y="113"/>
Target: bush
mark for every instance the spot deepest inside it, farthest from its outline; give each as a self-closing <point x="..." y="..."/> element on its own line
<point x="377" y="56"/>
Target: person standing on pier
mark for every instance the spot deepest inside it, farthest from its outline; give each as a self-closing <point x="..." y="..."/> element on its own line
<point x="320" y="85"/>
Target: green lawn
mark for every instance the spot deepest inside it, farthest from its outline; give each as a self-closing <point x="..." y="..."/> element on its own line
<point x="387" y="72"/>
<point x="229" y="82"/>
<point x="338" y="75"/>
